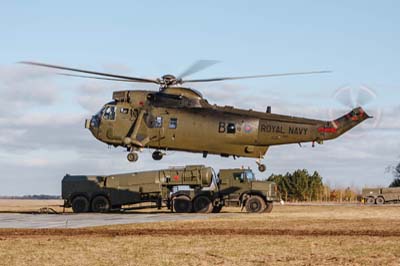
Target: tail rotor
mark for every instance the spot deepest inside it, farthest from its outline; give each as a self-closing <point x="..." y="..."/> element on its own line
<point x="351" y="98"/>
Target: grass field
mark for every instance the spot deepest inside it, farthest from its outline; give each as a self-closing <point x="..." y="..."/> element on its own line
<point x="290" y="235"/>
<point x="28" y="205"/>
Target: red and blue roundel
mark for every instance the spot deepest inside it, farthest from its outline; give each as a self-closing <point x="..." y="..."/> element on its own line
<point x="247" y="128"/>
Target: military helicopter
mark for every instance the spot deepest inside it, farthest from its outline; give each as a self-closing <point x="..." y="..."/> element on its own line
<point x="179" y="118"/>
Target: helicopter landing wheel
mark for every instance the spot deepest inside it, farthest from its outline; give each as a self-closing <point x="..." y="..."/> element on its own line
<point x="157" y="155"/>
<point x="262" y="167"/>
<point x="132" y="156"/>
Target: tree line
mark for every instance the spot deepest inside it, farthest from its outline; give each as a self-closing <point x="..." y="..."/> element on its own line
<point x="303" y="186"/>
<point x="299" y="185"/>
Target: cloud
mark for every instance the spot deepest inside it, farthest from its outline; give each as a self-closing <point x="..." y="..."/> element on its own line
<point x="92" y="95"/>
<point x="22" y="88"/>
<point x="48" y="131"/>
<point x="390" y="118"/>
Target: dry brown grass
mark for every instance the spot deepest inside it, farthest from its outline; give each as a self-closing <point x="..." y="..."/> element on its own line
<point x="290" y="235"/>
<point x="27" y="205"/>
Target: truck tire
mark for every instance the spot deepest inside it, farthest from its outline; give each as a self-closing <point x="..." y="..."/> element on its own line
<point x="80" y="204"/>
<point x="255" y="204"/>
<point x="100" y="204"/>
<point x="202" y="204"/>
<point x="182" y="204"/>
<point x="269" y="207"/>
<point x="380" y="201"/>
<point x="370" y="201"/>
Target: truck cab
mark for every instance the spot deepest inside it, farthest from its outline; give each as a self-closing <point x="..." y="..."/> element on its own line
<point x="237" y="186"/>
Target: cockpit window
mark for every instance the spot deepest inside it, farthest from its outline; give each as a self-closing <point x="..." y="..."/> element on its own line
<point x="99" y="113"/>
<point x="109" y="113"/>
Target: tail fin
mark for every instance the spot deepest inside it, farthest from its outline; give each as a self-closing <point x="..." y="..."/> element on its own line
<point x="344" y="123"/>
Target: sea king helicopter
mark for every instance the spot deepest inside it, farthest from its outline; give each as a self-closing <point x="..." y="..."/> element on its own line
<point x="179" y="118"/>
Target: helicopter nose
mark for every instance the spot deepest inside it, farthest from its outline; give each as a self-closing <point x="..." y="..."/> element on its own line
<point x="87" y="123"/>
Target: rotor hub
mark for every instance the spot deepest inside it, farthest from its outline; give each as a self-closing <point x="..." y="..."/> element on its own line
<point x="168" y="80"/>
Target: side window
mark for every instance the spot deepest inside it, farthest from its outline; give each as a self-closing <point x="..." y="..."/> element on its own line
<point x="239" y="177"/>
<point x="124" y="110"/>
<point x="109" y="113"/>
<point x="158" y="122"/>
<point x="173" y="123"/>
<point x="221" y="127"/>
<point x="231" y="128"/>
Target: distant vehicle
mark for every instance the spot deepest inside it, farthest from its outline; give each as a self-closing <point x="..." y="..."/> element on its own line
<point x="186" y="189"/>
<point x="381" y="196"/>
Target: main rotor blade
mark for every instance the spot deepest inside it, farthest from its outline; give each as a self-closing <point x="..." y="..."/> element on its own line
<point x="94" y="77"/>
<point x="255" y="76"/>
<point x="132" y="79"/>
<point x="196" y="67"/>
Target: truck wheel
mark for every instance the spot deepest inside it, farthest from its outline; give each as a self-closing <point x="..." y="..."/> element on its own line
<point x="202" y="204"/>
<point x="80" y="204"/>
<point x="370" y="201"/>
<point x="380" y="200"/>
<point x="255" y="204"/>
<point x="100" y="204"/>
<point x="269" y="207"/>
<point x="182" y="204"/>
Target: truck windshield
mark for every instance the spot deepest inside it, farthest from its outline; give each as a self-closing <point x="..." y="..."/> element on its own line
<point x="215" y="177"/>
<point x="250" y="176"/>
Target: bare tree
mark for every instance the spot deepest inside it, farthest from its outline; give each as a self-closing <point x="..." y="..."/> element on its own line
<point x="396" y="174"/>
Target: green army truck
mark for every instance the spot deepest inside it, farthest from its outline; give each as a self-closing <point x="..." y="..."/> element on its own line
<point x="239" y="187"/>
<point x="381" y="196"/>
<point x="181" y="189"/>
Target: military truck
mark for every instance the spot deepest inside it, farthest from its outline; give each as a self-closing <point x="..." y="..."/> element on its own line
<point x="381" y="196"/>
<point x="193" y="188"/>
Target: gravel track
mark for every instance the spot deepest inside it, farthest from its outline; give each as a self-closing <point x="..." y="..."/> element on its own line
<point x="100" y="232"/>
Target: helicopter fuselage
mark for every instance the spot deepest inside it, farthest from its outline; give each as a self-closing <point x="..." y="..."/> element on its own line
<point x="179" y="118"/>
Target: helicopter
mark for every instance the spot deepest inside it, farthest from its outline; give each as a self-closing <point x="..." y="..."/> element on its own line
<point x="179" y="118"/>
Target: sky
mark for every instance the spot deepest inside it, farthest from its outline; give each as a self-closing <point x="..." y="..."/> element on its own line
<point x="42" y="115"/>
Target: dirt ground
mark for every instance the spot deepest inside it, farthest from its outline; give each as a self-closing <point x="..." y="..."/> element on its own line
<point x="290" y="235"/>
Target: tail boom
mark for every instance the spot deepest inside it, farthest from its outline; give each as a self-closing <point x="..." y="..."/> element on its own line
<point x="336" y="128"/>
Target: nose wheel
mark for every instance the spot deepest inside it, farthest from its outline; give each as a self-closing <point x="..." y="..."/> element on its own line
<point x="157" y="155"/>
<point x="132" y="156"/>
<point x="262" y="167"/>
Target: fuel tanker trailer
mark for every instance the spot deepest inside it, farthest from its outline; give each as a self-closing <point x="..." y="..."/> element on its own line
<point x="192" y="188"/>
